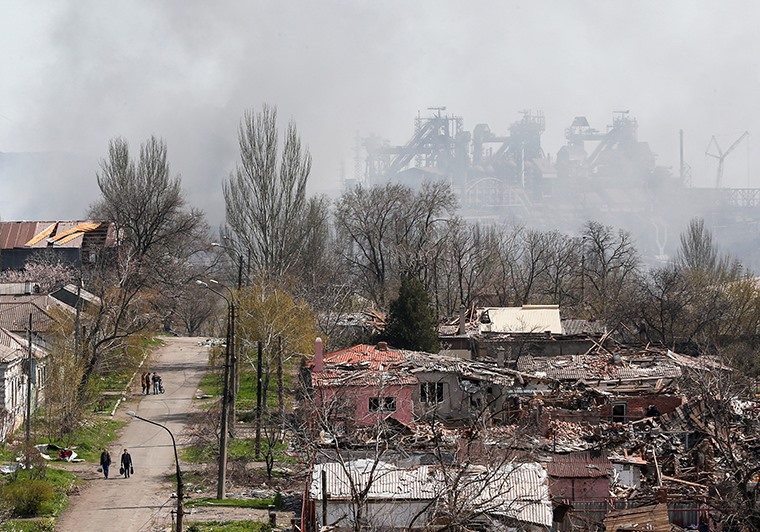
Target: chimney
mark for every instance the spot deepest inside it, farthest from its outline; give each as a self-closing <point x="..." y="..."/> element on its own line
<point x="382" y="346"/>
<point x="319" y="361"/>
<point x="500" y="358"/>
<point x="461" y="320"/>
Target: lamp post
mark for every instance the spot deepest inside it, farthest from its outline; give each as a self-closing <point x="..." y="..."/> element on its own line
<point x="180" y="485"/>
<point x="224" y="422"/>
<point x="235" y="379"/>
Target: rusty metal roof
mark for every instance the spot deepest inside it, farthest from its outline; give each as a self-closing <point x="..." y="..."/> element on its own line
<point x="42" y="234"/>
<point x="579" y="465"/>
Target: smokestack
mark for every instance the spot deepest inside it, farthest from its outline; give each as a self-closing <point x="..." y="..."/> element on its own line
<point x="319" y="360"/>
<point x="461" y="320"/>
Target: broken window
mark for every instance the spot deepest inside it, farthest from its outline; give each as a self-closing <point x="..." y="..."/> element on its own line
<point x="431" y="392"/>
<point x="618" y="413"/>
<point x="382" y="404"/>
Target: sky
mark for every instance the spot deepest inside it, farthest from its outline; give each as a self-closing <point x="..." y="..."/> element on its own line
<point x="75" y="74"/>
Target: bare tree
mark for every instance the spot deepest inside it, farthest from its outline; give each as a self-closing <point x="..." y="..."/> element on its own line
<point x="154" y="229"/>
<point x="268" y="213"/>
<point x="699" y="252"/>
<point x="144" y="200"/>
<point x="725" y="418"/>
<point x="611" y="266"/>
<point x="465" y="267"/>
<point x="390" y="231"/>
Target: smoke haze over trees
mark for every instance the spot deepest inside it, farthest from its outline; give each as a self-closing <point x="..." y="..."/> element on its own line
<point x="186" y="72"/>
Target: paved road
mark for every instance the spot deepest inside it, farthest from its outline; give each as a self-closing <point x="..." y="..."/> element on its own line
<point x="143" y="502"/>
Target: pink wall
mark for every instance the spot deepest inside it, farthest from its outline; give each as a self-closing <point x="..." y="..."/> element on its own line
<point x="359" y="396"/>
<point x="579" y="488"/>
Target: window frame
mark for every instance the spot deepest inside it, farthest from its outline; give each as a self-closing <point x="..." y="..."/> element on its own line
<point x="432" y="392"/>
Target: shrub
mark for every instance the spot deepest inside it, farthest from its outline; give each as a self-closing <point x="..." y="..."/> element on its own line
<point x="26" y="497"/>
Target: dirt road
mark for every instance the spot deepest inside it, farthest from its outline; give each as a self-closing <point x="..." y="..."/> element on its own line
<point x="143" y="502"/>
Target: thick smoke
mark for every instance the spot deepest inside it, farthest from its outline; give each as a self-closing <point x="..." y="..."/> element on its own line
<point x="76" y="74"/>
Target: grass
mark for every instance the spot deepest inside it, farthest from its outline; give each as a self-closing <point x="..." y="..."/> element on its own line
<point x="40" y="524"/>
<point x="211" y="385"/>
<point x="237" y="449"/>
<point x="90" y="438"/>
<point x="260" y="504"/>
<point x="228" y="526"/>
<point x="61" y="481"/>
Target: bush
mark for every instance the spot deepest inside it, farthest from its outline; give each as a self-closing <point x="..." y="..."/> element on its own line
<point x="26" y="497"/>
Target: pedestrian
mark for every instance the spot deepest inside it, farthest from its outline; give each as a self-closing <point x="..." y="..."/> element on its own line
<point x="156" y="379"/>
<point x="126" y="463"/>
<point x="145" y="385"/>
<point x="105" y="461"/>
<point x="160" y="384"/>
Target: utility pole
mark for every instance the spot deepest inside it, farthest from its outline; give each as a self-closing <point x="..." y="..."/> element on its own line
<point x="223" y="429"/>
<point x="234" y="371"/>
<point x="258" y="399"/>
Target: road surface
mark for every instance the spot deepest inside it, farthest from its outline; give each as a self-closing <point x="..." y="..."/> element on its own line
<point x="143" y="502"/>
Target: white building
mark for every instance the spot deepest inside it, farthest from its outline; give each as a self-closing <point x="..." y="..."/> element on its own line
<point x="14" y="355"/>
<point x="397" y="498"/>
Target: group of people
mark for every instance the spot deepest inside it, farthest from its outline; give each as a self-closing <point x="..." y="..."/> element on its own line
<point x="126" y="468"/>
<point x="149" y="380"/>
<point x="153" y="381"/>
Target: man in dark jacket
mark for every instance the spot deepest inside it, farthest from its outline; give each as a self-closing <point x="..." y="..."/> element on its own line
<point x="105" y="461"/>
<point x="126" y="463"/>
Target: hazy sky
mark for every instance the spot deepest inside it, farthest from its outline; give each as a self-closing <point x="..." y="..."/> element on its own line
<point x="74" y="74"/>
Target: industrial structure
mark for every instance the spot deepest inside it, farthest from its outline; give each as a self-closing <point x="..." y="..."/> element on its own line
<point x="607" y="176"/>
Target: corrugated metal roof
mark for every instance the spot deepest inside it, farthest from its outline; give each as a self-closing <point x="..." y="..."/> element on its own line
<point x="13" y="346"/>
<point x="41" y="234"/>
<point x="525" y="319"/>
<point x="15" y="316"/>
<point x="518" y="491"/>
<point x="579" y="465"/>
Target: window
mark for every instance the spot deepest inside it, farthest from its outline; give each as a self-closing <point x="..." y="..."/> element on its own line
<point x="618" y="413"/>
<point x="431" y="392"/>
<point x="382" y="404"/>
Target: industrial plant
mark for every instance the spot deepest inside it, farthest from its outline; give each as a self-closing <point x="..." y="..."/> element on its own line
<point x="609" y="176"/>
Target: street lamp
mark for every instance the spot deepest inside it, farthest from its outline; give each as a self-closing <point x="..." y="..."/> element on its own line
<point x="235" y="378"/>
<point x="180" y="485"/>
<point x="224" y="423"/>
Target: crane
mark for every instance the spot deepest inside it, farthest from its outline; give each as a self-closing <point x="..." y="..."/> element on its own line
<point x="721" y="155"/>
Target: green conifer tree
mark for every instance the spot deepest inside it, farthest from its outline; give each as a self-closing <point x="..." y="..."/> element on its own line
<point x="411" y="324"/>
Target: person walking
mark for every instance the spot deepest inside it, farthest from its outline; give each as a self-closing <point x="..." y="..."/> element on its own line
<point x="145" y="383"/>
<point x="105" y="462"/>
<point x="126" y="463"/>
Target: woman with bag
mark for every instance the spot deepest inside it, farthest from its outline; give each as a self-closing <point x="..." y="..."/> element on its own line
<point x="126" y="464"/>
